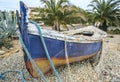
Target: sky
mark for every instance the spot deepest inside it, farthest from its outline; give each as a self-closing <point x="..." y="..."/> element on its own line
<point x="14" y="4"/>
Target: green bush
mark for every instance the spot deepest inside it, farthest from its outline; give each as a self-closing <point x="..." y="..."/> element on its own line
<point x="8" y="23"/>
<point x="116" y="31"/>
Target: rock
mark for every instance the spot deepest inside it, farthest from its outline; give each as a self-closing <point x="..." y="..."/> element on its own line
<point x="115" y="79"/>
<point x="2" y="52"/>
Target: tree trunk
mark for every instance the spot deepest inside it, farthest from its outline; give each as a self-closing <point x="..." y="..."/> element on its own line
<point x="103" y="26"/>
<point x="56" y="28"/>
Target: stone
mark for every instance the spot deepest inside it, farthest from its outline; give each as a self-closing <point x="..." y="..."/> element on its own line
<point x="2" y="52"/>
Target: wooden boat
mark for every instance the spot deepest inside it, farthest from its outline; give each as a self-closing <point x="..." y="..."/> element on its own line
<point x="58" y="46"/>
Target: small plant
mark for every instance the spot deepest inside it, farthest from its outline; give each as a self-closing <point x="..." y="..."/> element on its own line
<point x="116" y="31"/>
<point x="8" y="23"/>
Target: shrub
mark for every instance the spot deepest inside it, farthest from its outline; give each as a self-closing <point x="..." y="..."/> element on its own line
<point x="8" y="23"/>
<point x="115" y="31"/>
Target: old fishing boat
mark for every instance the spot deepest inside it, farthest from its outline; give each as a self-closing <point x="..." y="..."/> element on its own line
<point x="59" y="46"/>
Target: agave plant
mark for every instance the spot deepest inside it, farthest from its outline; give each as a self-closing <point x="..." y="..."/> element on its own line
<point x="8" y="23"/>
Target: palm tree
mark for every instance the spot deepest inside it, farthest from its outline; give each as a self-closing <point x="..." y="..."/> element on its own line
<point x="59" y="13"/>
<point x="105" y="12"/>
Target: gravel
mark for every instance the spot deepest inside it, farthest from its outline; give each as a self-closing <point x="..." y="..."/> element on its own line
<point x="108" y="69"/>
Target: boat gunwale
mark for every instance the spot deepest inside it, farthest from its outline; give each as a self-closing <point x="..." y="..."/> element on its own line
<point x="68" y="40"/>
<point x="32" y="29"/>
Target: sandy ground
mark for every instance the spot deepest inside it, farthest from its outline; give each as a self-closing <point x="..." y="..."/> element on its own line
<point x="108" y="69"/>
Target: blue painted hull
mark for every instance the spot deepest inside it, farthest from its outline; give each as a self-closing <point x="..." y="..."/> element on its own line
<point x="56" y="48"/>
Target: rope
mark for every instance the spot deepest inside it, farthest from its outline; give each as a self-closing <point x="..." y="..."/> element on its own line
<point x="46" y="51"/>
<point x="67" y="60"/>
<point x="31" y="60"/>
<point x="2" y="75"/>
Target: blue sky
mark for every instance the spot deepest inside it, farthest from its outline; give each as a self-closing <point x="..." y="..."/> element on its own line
<point x="14" y="4"/>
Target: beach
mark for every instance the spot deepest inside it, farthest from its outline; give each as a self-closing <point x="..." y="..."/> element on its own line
<point x="108" y="69"/>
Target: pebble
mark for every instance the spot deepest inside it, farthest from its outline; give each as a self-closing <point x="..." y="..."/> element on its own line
<point x="2" y="52"/>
